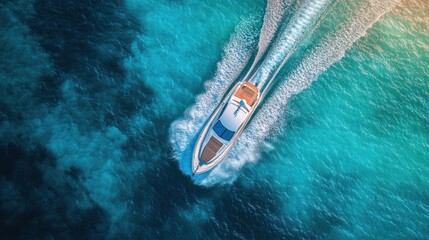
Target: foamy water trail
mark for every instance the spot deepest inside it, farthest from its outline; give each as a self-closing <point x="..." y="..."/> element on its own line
<point x="236" y="55"/>
<point x="299" y="26"/>
<point x="274" y="13"/>
<point x="331" y="49"/>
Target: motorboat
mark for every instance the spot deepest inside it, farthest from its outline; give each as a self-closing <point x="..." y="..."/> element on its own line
<point x="224" y="126"/>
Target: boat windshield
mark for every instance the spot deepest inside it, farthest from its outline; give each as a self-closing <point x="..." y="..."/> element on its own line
<point x="223" y="132"/>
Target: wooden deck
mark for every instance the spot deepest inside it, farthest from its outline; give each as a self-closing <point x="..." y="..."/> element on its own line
<point x="248" y="92"/>
<point x="210" y="150"/>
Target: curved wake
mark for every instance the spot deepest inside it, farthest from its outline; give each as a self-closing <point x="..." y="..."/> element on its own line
<point x="274" y="13"/>
<point x="289" y="38"/>
<point x="236" y="55"/>
<point x="248" y="148"/>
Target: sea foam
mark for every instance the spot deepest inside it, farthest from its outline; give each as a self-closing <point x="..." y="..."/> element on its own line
<point x="331" y="49"/>
<point x="237" y="53"/>
<point x="249" y="148"/>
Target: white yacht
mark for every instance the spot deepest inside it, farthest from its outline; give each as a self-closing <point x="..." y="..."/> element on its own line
<point x="224" y="126"/>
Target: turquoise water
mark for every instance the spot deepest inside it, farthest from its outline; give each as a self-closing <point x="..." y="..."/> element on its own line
<point x="100" y="104"/>
<point x="349" y="159"/>
<point x="361" y="160"/>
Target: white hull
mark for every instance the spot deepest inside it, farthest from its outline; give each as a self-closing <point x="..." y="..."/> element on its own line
<point x="197" y="166"/>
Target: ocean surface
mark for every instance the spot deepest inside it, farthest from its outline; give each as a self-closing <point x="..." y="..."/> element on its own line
<point x="101" y="102"/>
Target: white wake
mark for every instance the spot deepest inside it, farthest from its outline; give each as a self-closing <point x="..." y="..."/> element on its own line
<point x="274" y="13"/>
<point x="332" y="48"/>
<point x="302" y="22"/>
<point x="236" y="55"/>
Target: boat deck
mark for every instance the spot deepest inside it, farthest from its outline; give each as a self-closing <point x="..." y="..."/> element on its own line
<point x="211" y="149"/>
<point x="248" y="92"/>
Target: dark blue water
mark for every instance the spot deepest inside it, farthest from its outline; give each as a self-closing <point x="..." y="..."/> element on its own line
<point x="101" y="101"/>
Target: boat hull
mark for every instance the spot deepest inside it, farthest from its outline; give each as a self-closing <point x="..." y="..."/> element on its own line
<point x="197" y="167"/>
